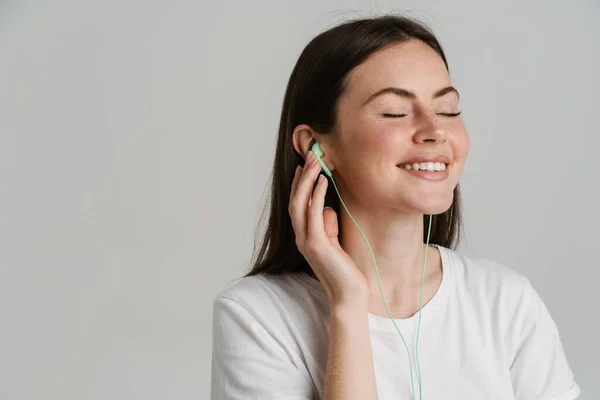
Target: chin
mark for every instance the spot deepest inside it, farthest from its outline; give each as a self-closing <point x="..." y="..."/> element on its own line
<point x="433" y="206"/>
<point x="437" y="210"/>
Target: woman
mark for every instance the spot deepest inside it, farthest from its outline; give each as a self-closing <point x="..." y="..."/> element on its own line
<point x="311" y="320"/>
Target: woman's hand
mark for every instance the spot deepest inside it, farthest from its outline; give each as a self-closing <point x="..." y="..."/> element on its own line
<point x="317" y="238"/>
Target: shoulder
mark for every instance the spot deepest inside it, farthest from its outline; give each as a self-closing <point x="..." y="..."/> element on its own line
<point x="257" y="289"/>
<point x="496" y="288"/>
<point x="503" y="301"/>
<point x="272" y="298"/>
<point x="476" y="273"/>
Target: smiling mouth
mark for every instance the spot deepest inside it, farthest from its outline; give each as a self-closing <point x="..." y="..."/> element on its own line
<point x="431" y="173"/>
<point x="425" y="166"/>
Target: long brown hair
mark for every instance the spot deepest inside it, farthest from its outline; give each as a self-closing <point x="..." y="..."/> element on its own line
<point x="315" y="85"/>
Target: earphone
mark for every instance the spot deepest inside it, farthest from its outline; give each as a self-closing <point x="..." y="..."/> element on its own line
<point x="316" y="149"/>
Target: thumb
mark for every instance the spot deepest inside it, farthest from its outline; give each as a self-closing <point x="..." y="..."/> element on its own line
<point x="330" y="223"/>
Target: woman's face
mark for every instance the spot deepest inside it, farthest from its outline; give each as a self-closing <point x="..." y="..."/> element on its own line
<point x="372" y="148"/>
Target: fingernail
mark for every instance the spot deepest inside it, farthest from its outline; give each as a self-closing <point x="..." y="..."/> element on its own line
<point x="327" y="207"/>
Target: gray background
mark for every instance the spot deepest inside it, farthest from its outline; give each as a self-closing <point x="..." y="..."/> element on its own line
<point x="136" y="140"/>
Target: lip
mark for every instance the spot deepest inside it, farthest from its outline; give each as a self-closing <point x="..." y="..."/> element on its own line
<point x="427" y="158"/>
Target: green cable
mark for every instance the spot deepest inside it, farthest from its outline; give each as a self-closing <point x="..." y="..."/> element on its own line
<point x="385" y="302"/>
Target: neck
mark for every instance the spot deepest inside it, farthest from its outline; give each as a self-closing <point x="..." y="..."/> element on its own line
<point x="396" y="240"/>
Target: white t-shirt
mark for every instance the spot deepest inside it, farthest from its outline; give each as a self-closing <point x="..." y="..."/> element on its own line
<point x="485" y="334"/>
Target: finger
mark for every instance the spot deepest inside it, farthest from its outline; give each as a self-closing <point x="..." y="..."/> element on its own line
<point x="309" y="174"/>
<point x="299" y="203"/>
<point x="330" y="222"/>
<point x="296" y="224"/>
<point x="295" y="181"/>
<point x="315" y="211"/>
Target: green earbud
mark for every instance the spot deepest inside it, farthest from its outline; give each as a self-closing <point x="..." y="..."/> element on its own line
<point x="316" y="148"/>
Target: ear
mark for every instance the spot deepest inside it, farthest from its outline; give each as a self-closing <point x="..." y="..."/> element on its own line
<point x="304" y="137"/>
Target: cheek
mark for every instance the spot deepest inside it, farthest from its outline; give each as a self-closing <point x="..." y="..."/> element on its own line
<point x="465" y="145"/>
<point x="385" y="140"/>
<point x="376" y="143"/>
<point x="460" y="142"/>
<point x="372" y="152"/>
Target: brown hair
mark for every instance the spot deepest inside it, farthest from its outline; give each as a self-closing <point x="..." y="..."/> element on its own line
<point x="312" y="93"/>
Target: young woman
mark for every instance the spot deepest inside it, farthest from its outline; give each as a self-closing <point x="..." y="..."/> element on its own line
<point x="368" y="299"/>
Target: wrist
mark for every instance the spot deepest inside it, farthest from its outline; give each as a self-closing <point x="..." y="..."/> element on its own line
<point x="350" y="309"/>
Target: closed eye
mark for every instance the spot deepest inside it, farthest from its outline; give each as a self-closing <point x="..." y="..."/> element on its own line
<point x="451" y="114"/>
<point x="404" y="115"/>
<point x="394" y="115"/>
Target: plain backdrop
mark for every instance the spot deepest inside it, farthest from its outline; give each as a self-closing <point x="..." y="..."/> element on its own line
<point x="136" y="142"/>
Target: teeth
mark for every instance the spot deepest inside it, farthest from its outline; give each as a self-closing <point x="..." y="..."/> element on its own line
<point x="428" y="166"/>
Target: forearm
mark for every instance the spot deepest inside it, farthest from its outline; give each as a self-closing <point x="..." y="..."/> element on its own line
<point x="350" y="373"/>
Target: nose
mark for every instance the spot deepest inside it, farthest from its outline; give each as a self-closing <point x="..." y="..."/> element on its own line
<point x="429" y="131"/>
<point x="432" y="136"/>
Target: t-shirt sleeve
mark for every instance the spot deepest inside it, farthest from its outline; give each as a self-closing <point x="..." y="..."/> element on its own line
<point x="249" y="361"/>
<point x="539" y="369"/>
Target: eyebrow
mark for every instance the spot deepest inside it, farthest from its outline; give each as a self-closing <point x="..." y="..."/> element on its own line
<point x="411" y="95"/>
